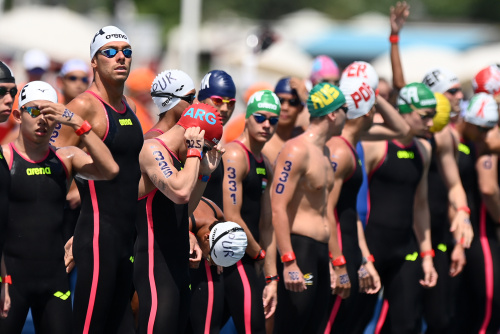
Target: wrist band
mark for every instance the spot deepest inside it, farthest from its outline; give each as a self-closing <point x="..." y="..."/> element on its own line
<point x="394" y="39"/>
<point x="340" y="261"/>
<point x="330" y="255"/>
<point x="7" y="279"/>
<point x="288" y="257"/>
<point x="261" y="255"/>
<point x="192" y="152"/>
<point x="464" y="209"/>
<point x="86" y="127"/>
<point x="192" y="233"/>
<point x="428" y="253"/>
<point x="367" y="259"/>
<point x="269" y="279"/>
<point x="204" y="178"/>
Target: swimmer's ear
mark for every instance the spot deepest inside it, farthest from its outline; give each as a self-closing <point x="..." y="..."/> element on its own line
<point x="17" y="115"/>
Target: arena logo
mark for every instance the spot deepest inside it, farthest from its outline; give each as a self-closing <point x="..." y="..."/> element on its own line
<point x="38" y="171"/>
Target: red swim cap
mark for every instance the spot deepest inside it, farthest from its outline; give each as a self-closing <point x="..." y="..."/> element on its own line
<point x="206" y="117"/>
<point x="487" y="81"/>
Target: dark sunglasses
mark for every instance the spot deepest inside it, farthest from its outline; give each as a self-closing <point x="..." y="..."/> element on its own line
<point x="33" y="111"/>
<point x="110" y="53"/>
<point x="293" y="102"/>
<point x="344" y="108"/>
<point x="75" y="78"/>
<point x="453" y="91"/>
<point x="4" y="91"/>
<point x="218" y="101"/>
<point x="188" y="98"/>
<point x="259" y="118"/>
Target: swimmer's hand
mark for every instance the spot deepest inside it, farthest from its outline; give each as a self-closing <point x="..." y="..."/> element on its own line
<point x="194" y="252"/>
<point x="69" y="261"/>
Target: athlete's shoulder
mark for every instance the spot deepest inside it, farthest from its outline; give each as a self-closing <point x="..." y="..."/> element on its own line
<point x="84" y="105"/>
<point x="130" y="102"/>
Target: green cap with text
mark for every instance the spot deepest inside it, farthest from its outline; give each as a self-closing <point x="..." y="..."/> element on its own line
<point x="263" y="100"/>
<point x="415" y="96"/>
<point x="324" y="99"/>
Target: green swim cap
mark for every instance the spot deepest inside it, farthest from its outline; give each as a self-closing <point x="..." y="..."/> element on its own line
<point x="324" y="99"/>
<point x="263" y="100"/>
<point x="417" y="95"/>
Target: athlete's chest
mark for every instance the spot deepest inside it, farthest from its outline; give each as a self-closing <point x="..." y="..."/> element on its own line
<point x="319" y="177"/>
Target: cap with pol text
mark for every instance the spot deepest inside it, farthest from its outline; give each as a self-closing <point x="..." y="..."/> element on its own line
<point x="359" y="97"/>
<point x="362" y="70"/>
<point x="228" y="243"/>
<point x="37" y="90"/>
<point x="106" y="35"/>
<point x="263" y="100"/>
<point x="206" y="117"/>
<point x="415" y="96"/>
<point x="324" y="99"/>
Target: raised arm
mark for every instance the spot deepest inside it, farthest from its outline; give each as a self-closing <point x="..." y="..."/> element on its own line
<point x="235" y="170"/>
<point x="394" y="125"/>
<point x="487" y="167"/>
<point x="398" y="16"/>
<point x="99" y="164"/>
<point x="158" y="166"/>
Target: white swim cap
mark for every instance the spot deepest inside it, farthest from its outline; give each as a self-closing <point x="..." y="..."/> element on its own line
<point x="362" y="70"/>
<point x="106" y="35"/>
<point x="74" y="65"/>
<point x="482" y="111"/>
<point x="359" y="96"/>
<point x="440" y="80"/>
<point x="175" y="82"/>
<point x="37" y="90"/>
<point x="228" y="243"/>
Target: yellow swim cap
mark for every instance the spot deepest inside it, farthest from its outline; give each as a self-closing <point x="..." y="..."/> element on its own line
<point x="442" y="116"/>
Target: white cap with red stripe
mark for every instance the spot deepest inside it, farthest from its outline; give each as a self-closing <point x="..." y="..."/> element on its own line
<point x="482" y="111"/>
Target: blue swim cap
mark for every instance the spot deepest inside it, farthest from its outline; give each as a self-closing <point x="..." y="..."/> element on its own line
<point x="218" y="83"/>
<point x="283" y="87"/>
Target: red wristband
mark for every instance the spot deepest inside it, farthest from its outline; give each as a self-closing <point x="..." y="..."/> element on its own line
<point x="192" y="152"/>
<point x="86" y="127"/>
<point x="7" y="279"/>
<point x="330" y="255"/>
<point x="269" y="279"/>
<point x="288" y="257"/>
<point x="340" y="261"/>
<point x="192" y="233"/>
<point x="428" y="253"/>
<point x="464" y="209"/>
<point x="370" y="258"/>
<point x="261" y="255"/>
<point x="394" y="39"/>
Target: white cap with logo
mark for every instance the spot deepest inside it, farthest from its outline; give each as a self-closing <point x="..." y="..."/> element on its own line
<point x="440" y="80"/>
<point x="106" y="35"/>
<point x="167" y="85"/>
<point x="359" y="96"/>
<point x="37" y="90"/>
<point x="482" y="111"/>
<point x="228" y="243"/>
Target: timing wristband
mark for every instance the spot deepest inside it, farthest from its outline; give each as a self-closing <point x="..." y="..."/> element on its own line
<point x="269" y="279"/>
<point x="428" y="253"/>
<point x="369" y="258"/>
<point x="86" y="127"/>
<point x="340" y="261"/>
<point x="464" y="209"/>
<point x="204" y="178"/>
<point x="330" y="255"/>
<point x="288" y="257"/>
<point x="394" y="39"/>
<point x="7" y="279"/>
<point x="192" y="152"/>
<point x="261" y="255"/>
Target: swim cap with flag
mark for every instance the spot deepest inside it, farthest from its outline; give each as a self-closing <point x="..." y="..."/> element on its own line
<point x="359" y="97"/>
<point x="218" y="83"/>
<point x="6" y="75"/>
<point x="415" y="96"/>
<point x="487" y="80"/>
<point x="206" y="117"/>
<point x="263" y="100"/>
<point x="174" y="82"/>
<point x="442" y="117"/>
<point x="228" y="243"/>
<point x="104" y="36"/>
<point x="440" y="80"/>
<point x="37" y="90"/>
<point x="324" y="99"/>
<point x="362" y="70"/>
<point x="482" y="111"/>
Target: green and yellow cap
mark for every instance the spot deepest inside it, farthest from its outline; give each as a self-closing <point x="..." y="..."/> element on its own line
<point x="324" y="99"/>
<point x="415" y="96"/>
<point x="263" y="100"/>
